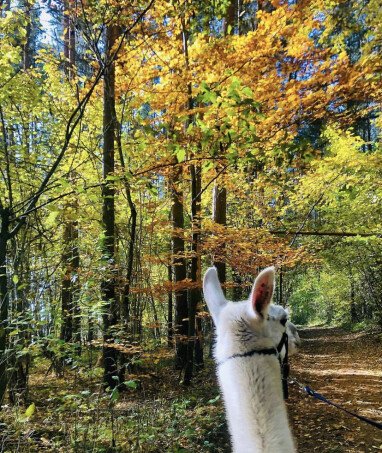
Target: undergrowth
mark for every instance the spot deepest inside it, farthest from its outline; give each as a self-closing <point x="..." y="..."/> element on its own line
<point x="153" y="414"/>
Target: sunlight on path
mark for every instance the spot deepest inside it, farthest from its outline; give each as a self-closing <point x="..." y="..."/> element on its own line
<point x="347" y="369"/>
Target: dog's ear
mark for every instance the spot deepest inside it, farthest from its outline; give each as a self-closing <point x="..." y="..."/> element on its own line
<point x="262" y="291"/>
<point x="213" y="293"/>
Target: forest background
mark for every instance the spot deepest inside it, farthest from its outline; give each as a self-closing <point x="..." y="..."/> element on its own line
<point x="141" y="142"/>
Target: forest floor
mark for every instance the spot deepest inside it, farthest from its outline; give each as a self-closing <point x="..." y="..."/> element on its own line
<point x="346" y="368"/>
<point x="73" y="415"/>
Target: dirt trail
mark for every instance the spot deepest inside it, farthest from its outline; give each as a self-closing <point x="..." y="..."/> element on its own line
<point x="347" y="369"/>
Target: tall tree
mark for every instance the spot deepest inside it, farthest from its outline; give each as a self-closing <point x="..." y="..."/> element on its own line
<point x="70" y="328"/>
<point x="109" y="283"/>
<point x="194" y="293"/>
<point x="126" y="309"/>
<point x="219" y="196"/>
<point x="4" y="296"/>
<point x="179" y="266"/>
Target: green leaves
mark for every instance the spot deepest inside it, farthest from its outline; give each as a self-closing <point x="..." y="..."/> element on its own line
<point x="28" y="414"/>
<point x="207" y="94"/>
<point x="114" y="396"/>
<point x="30" y="410"/>
<point x="180" y="153"/>
<point x="115" y="393"/>
<point x="131" y="384"/>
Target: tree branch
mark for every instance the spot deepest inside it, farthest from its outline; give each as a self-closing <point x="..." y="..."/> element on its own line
<point x="325" y="233"/>
<point x="51" y="199"/>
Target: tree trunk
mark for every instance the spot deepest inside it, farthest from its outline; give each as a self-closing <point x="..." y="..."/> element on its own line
<point x="70" y="328"/>
<point x="108" y="285"/>
<point x="230" y="18"/>
<point x="71" y="325"/>
<point x="75" y="281"/>
<point x="130" y="258"/>
<point x="4" y="300"/>
<point x="170" y="329"/>
<point x="219" y="215"/>
<point x="133" y="233"/>
<point x="353" y="307"/>
<point x="179" y="266"/>
<point x="20" y="359"/>
<point x="66" y="291"/>
<point x="194" y="294"/>
<point x="199" y="342"/>
<point x="27" y="54"/>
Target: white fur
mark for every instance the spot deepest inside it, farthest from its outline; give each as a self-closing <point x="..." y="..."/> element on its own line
<point x="293" y="338"/>
<point x="251" y="386"/>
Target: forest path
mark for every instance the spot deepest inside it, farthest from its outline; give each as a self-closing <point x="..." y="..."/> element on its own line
<point x="346" y="368"/>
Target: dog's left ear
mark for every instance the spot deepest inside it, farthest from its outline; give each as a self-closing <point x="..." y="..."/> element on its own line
<point x="213" y="293"/>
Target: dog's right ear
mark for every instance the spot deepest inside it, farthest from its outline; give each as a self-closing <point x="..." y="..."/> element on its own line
<point x="213" y="293"/>
<point x="262" y="291"/>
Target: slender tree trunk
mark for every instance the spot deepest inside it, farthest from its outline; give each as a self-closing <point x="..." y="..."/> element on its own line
<point x="353" y="307"/>
<point x="130" y="258"/>
<point x="75" y="258"/>
<point x="179" y="266"/>
<point x="230" y="17"/>
<point x="199" y="342"/>
<point x="194" y="294"/>
<point x="219" y="194"/>
<point x="133" y="234"/>
<point x="181" y="327"/>
<point x="219" y="215"/>
<point x="156" y="329"/>
<point x="4" y="300"/>
<point x="66" y="286"/>
<point x="108" y="286"/>
<point x="170" y="329"/>
<point x="71" y="325"/>
<point x="71" y="321"/>
<point x="27" y="54"/>
<point x="75" y="281"/>
<point x="20" y="363"/>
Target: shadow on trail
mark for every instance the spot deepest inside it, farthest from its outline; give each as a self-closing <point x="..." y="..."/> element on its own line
<point x="347" y="369"/>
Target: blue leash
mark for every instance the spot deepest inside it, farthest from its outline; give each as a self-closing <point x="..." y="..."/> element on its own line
<point x="320" y="397"/>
